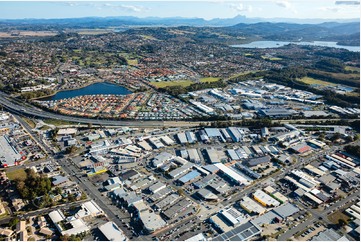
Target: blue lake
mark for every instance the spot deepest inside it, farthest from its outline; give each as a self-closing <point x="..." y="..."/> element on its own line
<point x="93" y="89"/>
<point x="276" y="44"/>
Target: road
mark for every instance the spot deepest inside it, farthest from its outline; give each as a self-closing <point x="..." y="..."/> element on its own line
<point x="315" y="216"/>
<point x="20" y="107"/>
<point x="110" y="210"/>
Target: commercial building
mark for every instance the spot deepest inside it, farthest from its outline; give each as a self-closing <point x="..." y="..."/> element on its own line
<point x="264" y="199"/>
<point x="156" y="187"/>
<point x="212" y="155"/>
<point x="243" y="232"/>
<point x="207" y="195"/>
<point x="151" y="221"/>
<point x="259" y="161"/>
<point x="181" y="170"/>
<point x="251" y="206"/>
<point x="166" y="140"/>
<point x="191" y="137"/>
<point x="10" y="156"/>
<point x="235" y="134"/>
<point x="231" y="174"/>
<point x="156" y="143"/>
<point x="182" y="138"/>
<point x="193" y="156"/>
<point x="190" y="177"/>
<point x="301" y="148"/>
<point x="112" y="232"/>
<point x="67" y="131"/>
<point x="276" y="112"/>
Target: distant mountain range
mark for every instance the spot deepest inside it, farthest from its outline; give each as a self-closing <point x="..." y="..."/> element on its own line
<point x="342" y="31"/>
<point x="103" y="22"/>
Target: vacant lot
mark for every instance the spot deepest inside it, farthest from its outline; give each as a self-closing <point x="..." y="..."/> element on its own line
<point x="271" y="58"/>
<point x="336" y="216"/>
<point x="310" y="80"/>
<point x="209" y="79"/>
<point x="19" y="173"/>
<point x="183" y="83"/>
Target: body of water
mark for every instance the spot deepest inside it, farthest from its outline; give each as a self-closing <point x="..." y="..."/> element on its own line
<point x="276" y="44"/>
<point x="93" y="89"/>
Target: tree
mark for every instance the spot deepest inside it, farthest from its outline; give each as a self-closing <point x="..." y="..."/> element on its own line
<point x="13" y="222"/>
<point x="342" y="222"/>
<point x="71" y="149"/>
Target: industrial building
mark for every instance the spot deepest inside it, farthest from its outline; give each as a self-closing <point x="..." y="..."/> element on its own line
<point x="265" y="199"/>
<point x="276" y="112"/>
<point x="181" y="170"/>
<point x="251" y="206"/>
<point x="235" y="134"/>
<point x="259" y="160"/>
<point x="301" y="148"/>
<point x="207" y="195"/>
<point x="190" y="177"/>
<point x="191" y="137"/>
<point x="243" y="232"/>
<point x="212" y="155"/>
<point x="193" y="156"/>
<point x="231" y="174"/>
<point x="182" y="138"/>
<point x="166" y="140"/>
<point x="10" y="156"/>
<point x="112" y="232"/>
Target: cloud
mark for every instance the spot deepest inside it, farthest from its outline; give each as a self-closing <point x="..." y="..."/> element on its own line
<point x="284" y="4"/>
<point x="330" y="9"/>
<point x="115" y="6"/>
<point x="240" y="7"/>
<point x="132" y="8"/>
<point x="347" y="2"/>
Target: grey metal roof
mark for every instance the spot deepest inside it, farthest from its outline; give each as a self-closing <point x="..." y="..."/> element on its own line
<point x="286" y="210"/>
<point x="243" y="232"/>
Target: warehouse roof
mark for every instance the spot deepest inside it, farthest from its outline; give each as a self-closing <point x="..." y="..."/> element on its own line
<point x="112" y="232"/>
<point x="241" y="233"/>
<point x="231" y="173"/>
<point x="286" y="210"/>
<point x="190" y="176"/>
<point x="251" y="206"/>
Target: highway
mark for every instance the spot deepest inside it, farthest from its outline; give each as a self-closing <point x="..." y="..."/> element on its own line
<point x="20" y="107"/>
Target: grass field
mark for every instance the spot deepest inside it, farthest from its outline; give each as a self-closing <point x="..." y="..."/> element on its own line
<point x="57" y="122"/>
<point x="45" y="127"/>
<point x="30" y="122"/>
<point x="209" y="79"/>
<point x="19" y="173"/>
<point x="334" y="217"/>
<point x="183" y="83"/>
<point x="352" y="68"/>
<point x="132" y="62"/>
<point x="309" y="80"/>
<point x="271" y="58"/>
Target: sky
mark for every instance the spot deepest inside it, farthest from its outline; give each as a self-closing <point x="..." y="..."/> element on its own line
<point x="207" y="9"/>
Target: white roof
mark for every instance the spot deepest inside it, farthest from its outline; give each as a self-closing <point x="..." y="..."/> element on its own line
<point x="56" y="216"/>
<point x="198" y="237"/>
<point x="92" y="207"/>
<point x="262" y="196"/>
<point x="234" y="175"/>
<point x="78" y="227"/>
<point x="151" y="221"/>
<point x="251" y="205"/>
<point x="67" y="131"/>
<point x="112" y="232"/>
